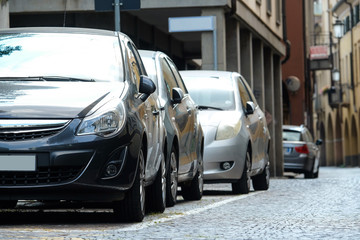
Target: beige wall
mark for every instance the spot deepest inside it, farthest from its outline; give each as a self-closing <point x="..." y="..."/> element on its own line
<point x="259" y="8"/>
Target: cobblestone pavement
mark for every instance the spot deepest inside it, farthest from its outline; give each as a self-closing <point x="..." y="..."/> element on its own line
<point x="293" y="208"/>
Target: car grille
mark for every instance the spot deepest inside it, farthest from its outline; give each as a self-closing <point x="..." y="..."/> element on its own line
<point x="20" y="130"/>
<point x="43" y="176"/>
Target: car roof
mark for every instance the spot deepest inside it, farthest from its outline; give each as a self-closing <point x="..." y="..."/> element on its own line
<point x="148" y="53"/>
<point x="207" y="73"/>
<point x="70" y="30"/>
<point x="294" y="127"/>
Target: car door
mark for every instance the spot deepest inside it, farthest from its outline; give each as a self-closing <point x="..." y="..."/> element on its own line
<point x="150" y="116"/>
<point x="253" y="123"/>
<point x="183" y="115"/>
<point x="263" y="129"/>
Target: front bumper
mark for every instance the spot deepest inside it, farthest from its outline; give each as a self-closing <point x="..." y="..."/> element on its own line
<point x="70" y="167"/>
<point x="217" y="152"/>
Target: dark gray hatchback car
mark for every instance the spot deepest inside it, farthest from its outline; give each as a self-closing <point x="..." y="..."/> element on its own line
<point x="78" y="121"/>
<point x="301" y="153"/>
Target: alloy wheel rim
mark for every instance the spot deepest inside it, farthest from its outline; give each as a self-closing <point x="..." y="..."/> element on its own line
<point x="173" y="175"/>
<point x="142" y="181"/>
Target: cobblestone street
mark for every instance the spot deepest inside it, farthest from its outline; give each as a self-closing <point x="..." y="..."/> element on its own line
<point x="293" y="208"/>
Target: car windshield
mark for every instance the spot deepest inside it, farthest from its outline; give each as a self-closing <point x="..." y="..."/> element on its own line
<point x="60" y="57"/>
<point x="291" y="135"/>
<point x="211" y="92"/>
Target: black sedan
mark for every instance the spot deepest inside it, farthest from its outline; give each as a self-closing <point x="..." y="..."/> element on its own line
<point x="78" y="121"/>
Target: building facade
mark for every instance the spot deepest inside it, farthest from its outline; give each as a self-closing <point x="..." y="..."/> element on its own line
<point x="249" y="40"/>
<point x="336" y="103"/>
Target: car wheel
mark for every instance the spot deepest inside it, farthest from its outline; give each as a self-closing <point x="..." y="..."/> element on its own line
<point x="262" y="181"/>
<point x="171" y="179"/>
<point x="316" y="175"/>
<point x="8" y="204"/>
<point x="132" y="208"/>
<point x="242" y="186"/>
<point x="310" y="174"/>
<point x="156" y="193"/>
<point x="193" y="190"/>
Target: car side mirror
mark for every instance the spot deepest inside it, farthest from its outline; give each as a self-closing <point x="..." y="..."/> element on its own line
<point x="319" y="142"/>
<point x="250" y="108"/>
<point x="147" y="87"/>
<point x="177" y="94"/>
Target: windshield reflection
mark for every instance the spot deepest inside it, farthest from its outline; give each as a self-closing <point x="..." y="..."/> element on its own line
<point x="71" y="56"/>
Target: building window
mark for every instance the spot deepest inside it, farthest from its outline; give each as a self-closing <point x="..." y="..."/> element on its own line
<point x="356" y="14"/>
<point x="268" y="7"/>
<point x="278" y="12"/>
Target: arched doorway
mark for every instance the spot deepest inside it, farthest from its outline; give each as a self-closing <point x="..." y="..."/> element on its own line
<point x="354" y="143"/>
<point x="338" y="142"/>
<point x="329" y="143"/>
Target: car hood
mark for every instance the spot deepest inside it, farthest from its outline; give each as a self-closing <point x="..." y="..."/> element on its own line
<point x="214" y="117"/>
<point x="54" y="100"/>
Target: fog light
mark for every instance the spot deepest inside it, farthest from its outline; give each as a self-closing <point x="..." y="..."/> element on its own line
<point x="111" y="170"/>
<point x="226" y="165"/>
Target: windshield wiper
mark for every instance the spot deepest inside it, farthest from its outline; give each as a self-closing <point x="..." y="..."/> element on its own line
<point x="209" y="107"/>
<point x="46" y="78"/>
<point x="62" y="79"/>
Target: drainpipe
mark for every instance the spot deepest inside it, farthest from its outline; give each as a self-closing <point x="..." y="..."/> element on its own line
<point x="287" y="42"/>
<point x="351" y="53"/>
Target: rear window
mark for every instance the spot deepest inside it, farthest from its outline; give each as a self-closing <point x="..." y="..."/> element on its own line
<point x="291" y="135"/>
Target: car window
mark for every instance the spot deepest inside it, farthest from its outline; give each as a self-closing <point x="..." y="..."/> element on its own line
<point x="248" y="90"/>
<point x="134" y="64"/>
<point x="289" y="135"/>
<point x="78" y="56"/>
<point x="244" y="95"/>
<point x="210" y="91"/>
<point x="308" y="136"/>
<point x="177" y="76"/>
<point x="168" y="76"/>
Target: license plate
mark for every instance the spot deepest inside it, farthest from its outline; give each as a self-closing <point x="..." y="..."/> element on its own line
<point x="287" y="150"/>
<point x="17" y="162"/>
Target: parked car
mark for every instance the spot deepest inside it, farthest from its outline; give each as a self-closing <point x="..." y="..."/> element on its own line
<point x="78" y="121"/>
<point x="236" y="135"/>
<point x="185" y="141"/>
<point x="301" y="153"/>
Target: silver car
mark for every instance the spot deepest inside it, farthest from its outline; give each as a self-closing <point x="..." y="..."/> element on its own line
<point x="301" y="153"/>
<point x="236" y="134"/>
<point x="184" y="138"/>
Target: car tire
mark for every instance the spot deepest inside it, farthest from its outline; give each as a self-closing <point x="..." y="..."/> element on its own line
<point x="132" y="208"/>
<point x="310" y="174"/>
<point x="242" y="186"/>
<point x="171" y="179"/>
<point x="8" y="204"/>
<point x="193" y="190"/>
<point x="261" y="182"/>
<point x="316" y="175"/>
<point x="156" y="193"/>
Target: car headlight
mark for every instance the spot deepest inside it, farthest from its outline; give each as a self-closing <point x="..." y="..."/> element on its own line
<point x="228" y="128"/>
<point x="106" y="122"/>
